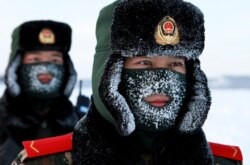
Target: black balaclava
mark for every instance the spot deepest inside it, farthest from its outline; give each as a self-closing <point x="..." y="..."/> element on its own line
<point x="140" y="83"/>
<point x="31" y="86"/>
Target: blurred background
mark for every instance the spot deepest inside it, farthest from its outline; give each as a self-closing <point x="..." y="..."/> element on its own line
<point x="225" y="59"/>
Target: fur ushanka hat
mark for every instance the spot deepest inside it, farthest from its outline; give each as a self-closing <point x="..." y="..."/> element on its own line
<point x="39" y="35"/>
<point x="151" y="28"/>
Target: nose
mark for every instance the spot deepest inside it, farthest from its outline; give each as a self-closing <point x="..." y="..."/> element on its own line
<point x="45" y="59"/>
<point x="161" y="65"/>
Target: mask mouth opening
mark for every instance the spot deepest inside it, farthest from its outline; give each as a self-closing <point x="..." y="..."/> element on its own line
<point x="45" y="78"/>
<point x="157" y="100"/>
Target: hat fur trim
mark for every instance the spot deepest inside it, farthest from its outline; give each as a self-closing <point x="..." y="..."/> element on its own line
<point x="135" y="23"/>
<point x="113" y="100"/>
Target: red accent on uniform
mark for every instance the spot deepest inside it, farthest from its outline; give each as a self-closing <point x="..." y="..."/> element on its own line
<point x="63" y="143"/>
<point x="46" y="146"/>
<point x="226" y="151"/>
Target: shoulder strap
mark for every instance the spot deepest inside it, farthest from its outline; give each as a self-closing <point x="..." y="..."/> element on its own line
<point x="47" y="146"/>
<point x="63" y="143"/>
<point x="226" y="151"/>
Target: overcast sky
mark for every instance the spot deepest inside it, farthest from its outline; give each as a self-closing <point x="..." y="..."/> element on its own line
<point x="227" y="22"/>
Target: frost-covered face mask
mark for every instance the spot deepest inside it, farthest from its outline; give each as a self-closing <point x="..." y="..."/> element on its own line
<point x="136" y="84"/>
<point x="32" y="86"/>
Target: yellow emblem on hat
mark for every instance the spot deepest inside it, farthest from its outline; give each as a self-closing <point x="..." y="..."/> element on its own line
<point x="167" y="32"/>
<point x="46" y="36"/>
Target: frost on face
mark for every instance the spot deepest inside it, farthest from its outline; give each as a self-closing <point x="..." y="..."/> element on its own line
<point x="31" y="83"/>
<point x="141" y="83"/>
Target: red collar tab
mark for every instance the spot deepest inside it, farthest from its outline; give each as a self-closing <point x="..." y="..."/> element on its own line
<point x="226" y="151"/>
<point x="46" y="146"/>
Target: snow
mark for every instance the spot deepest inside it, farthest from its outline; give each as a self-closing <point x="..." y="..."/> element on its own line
<point x="228" y="119"/>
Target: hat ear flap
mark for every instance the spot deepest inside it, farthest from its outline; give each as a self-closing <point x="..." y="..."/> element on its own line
<point x="70" y="84"/>
<point x="13" y="87"/>
<point x="199" y="103"/>
<point x="113" y="100"/>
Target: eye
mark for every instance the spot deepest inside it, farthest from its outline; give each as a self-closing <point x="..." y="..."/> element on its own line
<point x="177" y="64"/>
<point x="144" y="63"/>
<point x="31" y="59"/>
<point x="138" y="62"/>
<point x="57" y="60"/>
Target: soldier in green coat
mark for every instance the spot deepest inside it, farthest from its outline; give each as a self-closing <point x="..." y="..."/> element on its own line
<point x="39" y="79"/>
<point x="150" y="96"/>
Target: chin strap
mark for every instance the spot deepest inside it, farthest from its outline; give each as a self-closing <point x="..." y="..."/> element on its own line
<point x="113" y="100"/>
<point x="199" y="103"/>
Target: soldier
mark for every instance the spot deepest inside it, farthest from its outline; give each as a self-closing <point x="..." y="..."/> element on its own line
<point x="40" y="78"/>
<point x="150" y="96"/>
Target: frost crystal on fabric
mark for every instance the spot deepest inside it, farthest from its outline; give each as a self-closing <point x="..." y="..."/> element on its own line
<point x="199" y="104"/>
<point x="31" y="84"/>
<point x="11" y="77"/>
<point x="140" y="83"/>
<point x="113" y="100"/>
<point x="135" y="22"/>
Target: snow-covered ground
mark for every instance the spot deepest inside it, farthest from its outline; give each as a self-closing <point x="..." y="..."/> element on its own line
<point x="228" y="120"/>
